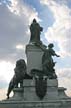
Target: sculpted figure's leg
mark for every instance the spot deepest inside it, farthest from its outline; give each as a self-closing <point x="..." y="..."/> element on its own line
<point x="10" y="88"/>
<point x="21" y="83"/>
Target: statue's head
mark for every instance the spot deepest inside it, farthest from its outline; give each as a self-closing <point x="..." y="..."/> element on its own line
<point x="34" y="20"/>
<point x="21" y="63"/>
<point x="50" y="45"/>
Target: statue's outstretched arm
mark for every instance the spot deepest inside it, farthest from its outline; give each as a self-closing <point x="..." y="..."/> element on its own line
<point x="57" y="55"/>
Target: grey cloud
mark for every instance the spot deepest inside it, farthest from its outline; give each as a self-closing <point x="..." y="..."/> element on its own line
<point x="14" y="25"/>
<point x="13" y="30"/>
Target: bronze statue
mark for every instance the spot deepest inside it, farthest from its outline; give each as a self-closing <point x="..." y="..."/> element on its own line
<point x="35" y="30"/>
<point x="47" y="61"/>
<point x="20" y="71"/>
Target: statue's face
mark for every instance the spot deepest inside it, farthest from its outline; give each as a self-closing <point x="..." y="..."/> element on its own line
<point x="21" y="64"/>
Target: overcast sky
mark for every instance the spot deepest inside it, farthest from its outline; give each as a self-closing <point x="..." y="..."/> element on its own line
<point x="55" y="18"/>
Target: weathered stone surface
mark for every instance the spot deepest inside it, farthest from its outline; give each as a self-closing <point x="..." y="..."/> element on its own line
<point x="52" y="82"/>
<point x="53" y="91"/>
<point x="55" y="97"/>
<point x="18" y="94"/>
<point x="37" y="104"/>
<point x="27" y="98"/>
<point x="29" y="91"/>
<point x="34" y="57"/>
<point x="61" y="93"/>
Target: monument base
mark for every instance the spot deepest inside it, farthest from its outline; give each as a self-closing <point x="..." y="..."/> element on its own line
<point x="36" y="104"/>
<point x="26" y="97"/>
<point x="30" y="90"/>
<point x="18" y="94"/>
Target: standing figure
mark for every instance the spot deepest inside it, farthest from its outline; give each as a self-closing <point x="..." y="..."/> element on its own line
<point x="47" y="61"/>
<point x="35" y="30"/>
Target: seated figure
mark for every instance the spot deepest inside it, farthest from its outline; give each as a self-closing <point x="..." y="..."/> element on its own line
<point x="20" y="71"/>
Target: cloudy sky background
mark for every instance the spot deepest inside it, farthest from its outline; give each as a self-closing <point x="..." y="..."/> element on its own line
<point x="16" y="16"/>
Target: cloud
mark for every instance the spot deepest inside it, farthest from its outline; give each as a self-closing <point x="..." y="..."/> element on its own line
<point x="15" y="18"/>
<point x="64" y="72"/>
<point x="66" y="83"/>
<point x="22" y="9"/>
<point x="60" y="31"/>
<point x="7" y="71"/>
<point x="3" y="82"/>
<point x="64" y="79"/>
<point x="3" y="93"/>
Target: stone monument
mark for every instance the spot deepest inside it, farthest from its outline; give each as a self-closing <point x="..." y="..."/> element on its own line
<point x="38" y="80"/>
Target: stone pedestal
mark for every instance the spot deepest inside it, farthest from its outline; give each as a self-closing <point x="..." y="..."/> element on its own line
<point x="38" y="104"/>
<point x="34" y="57"/>
<point x="29" y="99"/>
<point x="18" y="94"/>
<point x="52" y="89"/>
<point x="30" y="94"/>
<point x="29" y="91"/>
<point x="61" y="93"/>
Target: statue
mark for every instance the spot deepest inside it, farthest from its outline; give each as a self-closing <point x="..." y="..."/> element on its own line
<point x="47" y="71"/>
<point x="20" y="71"/>
<point x="48" y="63"/>
<point x="35" y="30"/>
